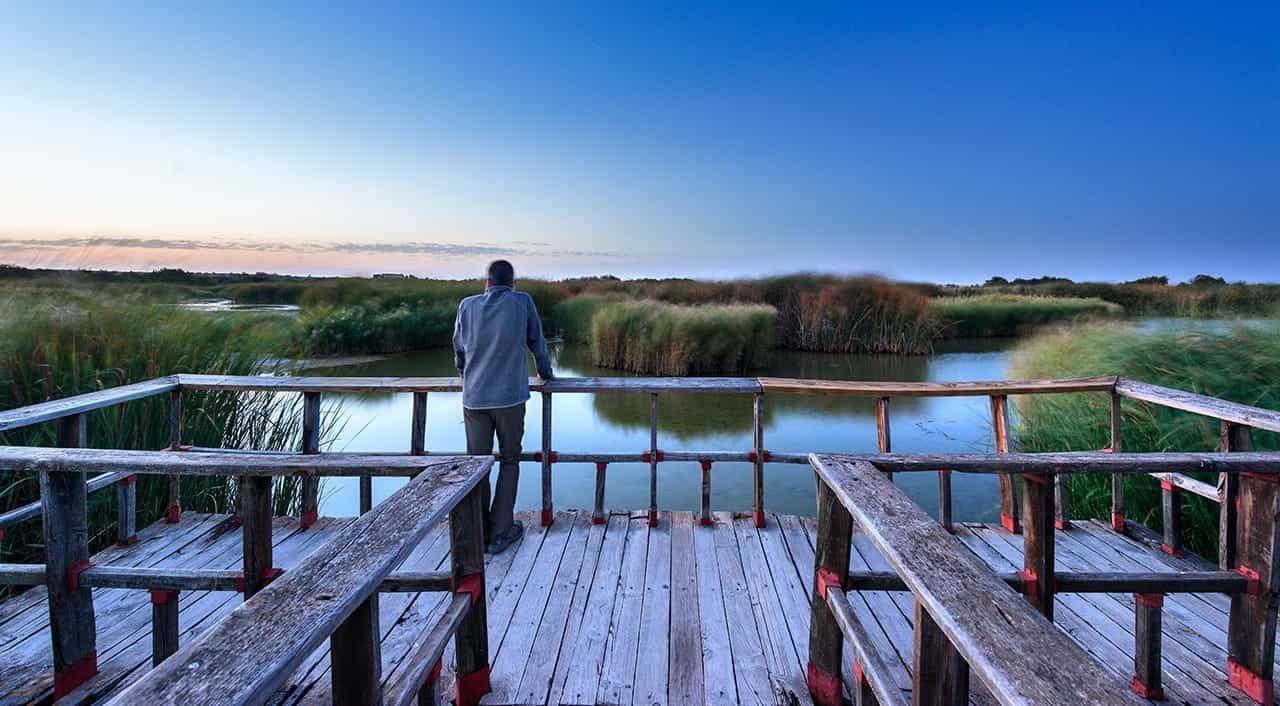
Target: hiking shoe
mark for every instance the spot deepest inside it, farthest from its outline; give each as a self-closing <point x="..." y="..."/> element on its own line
<point x="508" y="538"/>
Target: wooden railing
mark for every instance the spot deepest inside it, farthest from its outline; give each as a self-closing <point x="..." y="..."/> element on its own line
<point x="1247" y="485"/>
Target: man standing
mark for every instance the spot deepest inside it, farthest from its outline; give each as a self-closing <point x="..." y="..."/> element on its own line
<point x="489" y="340"/>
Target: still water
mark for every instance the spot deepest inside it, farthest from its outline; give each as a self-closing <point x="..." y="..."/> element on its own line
<point x="613" y="422"/>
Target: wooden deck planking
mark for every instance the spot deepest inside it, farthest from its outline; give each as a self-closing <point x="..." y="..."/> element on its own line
<point x="625" y="613"/>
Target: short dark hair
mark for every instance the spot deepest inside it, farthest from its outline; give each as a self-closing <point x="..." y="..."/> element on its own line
<point x="501" y="273"/>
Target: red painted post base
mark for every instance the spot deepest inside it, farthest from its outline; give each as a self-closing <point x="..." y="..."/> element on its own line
<point x="705" y="521"/>
<point x="473" y="686"/>
<point x="66" y="681"/>
<point x="758" y="516"/>
<point x="161" y="596"/>
<point x="824" y="687"/>
<point x="653" y="518"/>
<point x="1170" y="550"/>
<point x="309" y="518"/>
<point x="1009" y="522"/>
<point x="1255" y="687"/>
<point x="1117" y="522"/>
<point x="1062" y="524"/>
<point x="1153" y="693"/>
<point x="597" y="520"/>
<point x="547" y="517"/>
<point x="173" y="515"/>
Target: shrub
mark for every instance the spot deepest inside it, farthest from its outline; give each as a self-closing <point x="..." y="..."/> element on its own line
<point x="1011" y="314"/>
<point x="668" y="339"/>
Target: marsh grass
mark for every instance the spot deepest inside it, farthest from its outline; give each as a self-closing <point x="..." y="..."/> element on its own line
<point x="1012" y="314"/>
<point x="1242" y="366"/>
<point x="59" y="345"/>
<point x="669" y="339"/>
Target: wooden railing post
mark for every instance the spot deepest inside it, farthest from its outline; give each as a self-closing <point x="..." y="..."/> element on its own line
<point x="944" y="500"/>
<point x="173" y="513"/>
<point x="1146" y="647"/>
<point x="1117" y="479"/>
<point x="831" y="564"/>
<point x="471" y="640"/>
<point x="418" y="429"/>
<point x="164" y="624"/>
<point x="66" y="547"/>
<point x="310" y="445"/>
<point x="1235" y="437"/>
<point x="355" y="654"/>
<point x="597" y="513"/>
<point x="704" y="518"/>
<point x="548" y="508"/>
<point x="653" y="459"/>
<point x="255" y="516"/>
<point x="1171" y="509"/>
<point x="757" y="471"/>
<point x="1038" y="542"/>
<point x="1008" y="489"/>
<point x="127" y="511"/>
<point x="884" y="442"/>
<point x="1251" y="626"/>
<point x="940" y="676"/>
<point x="1061" y="502"/>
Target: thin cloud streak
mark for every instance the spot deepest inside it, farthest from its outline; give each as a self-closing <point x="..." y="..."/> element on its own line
<point x="303" y="248"/>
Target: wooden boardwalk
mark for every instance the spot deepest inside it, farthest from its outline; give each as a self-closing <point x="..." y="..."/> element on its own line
<point x="627" y="614"/>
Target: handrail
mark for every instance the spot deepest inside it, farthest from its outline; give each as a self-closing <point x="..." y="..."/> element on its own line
<point x="1017" y="654"/>
<point x="87" y="402"/>
<point x="247" y="655"/>
<point x="1234" y="412"/>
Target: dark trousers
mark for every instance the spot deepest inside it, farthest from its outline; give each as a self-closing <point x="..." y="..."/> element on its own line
<point x="508" y="423"/>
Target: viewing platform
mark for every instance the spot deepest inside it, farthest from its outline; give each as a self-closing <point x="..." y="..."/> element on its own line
<point x="873" y="600"/>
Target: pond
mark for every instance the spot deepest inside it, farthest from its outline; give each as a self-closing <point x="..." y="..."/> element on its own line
<point x="616" y="423"/>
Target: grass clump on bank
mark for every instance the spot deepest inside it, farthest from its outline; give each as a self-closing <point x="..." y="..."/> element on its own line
<point x="1011" y="314"/>
<point x="668" y="339"/>
<point x="1242" y="366"/>
<point x="362" y="329"/>
<point x="56" y="347"/>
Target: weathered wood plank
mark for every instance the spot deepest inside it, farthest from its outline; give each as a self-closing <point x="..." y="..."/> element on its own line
<point x="164" y="625"/>
<point x="1016" y="653"/>
<point x="749" y="665"/>
<point x="617" y="678"/>
<point x="940" y="676"/>
<point x="427" y="654"/>
<point x="453" y="384"/>
<point x="653" y="664"/>
<point x="79" y="404"/>
<point x="875" y="671"/>
<point x="355" y="649"/>
<point x="255" y="517"/>
<point x="720" y="684"/>
<point x="1038" y="542"/>
<point x="684" y="645"/>
<point x="1235" y="438"/>
<point x="782" y="653"/>
<point x="32" y="510"/>
<point x="74" y="460"/>
<point x="245" y="657"/>
<point x="1082" y="462"/>
<point x="934" y="389"/>
<point x="582" y="679"/>
<point x="1234" y="412"/>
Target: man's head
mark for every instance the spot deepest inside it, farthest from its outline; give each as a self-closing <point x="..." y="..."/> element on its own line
<point x="501" y="274"/>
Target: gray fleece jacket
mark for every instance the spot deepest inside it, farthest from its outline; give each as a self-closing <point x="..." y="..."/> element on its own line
<point x="489" y="340"/>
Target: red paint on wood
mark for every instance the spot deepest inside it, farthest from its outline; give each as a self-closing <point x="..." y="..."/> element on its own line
<point x="1117" y="521"/>
<point x="473" y="686"/>
<point x="1009" y="522"/>
<point x="824" y="687"/>
<point x="66" y="681"/>
<point x="764" y="455"/>
<point x="160" y="596"/>
<point x="758" y="516"/>
<point x="1254" y="586"/>
<point x="824" y="579"/>
<point x="73" y="575"/>
<point x="546" y="518"/>
<point x="174" y="515"/>
<point x="1151" y="600"/>
<point x="706" y="465"/>
<point x="648" y="456"/>
<point x="1154" y="693"/>
<point x="1030" y="582"/>
<point x="1261" y="690"/>
<point x="309" y="518"/>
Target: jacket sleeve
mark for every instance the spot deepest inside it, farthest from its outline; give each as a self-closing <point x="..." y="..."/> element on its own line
<point x="459" y="352"/>
<point x="537" y="343"/>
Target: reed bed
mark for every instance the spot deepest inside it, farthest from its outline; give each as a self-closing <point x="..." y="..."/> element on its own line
<point x="1242" y="365"/>
<point x="1012" y="314"/>
<point x="669" y="339"/>
<point x="56" y="347"/>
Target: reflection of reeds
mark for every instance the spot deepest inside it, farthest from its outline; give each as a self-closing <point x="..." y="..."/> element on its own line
<point x="1011" y="314"/>
<point x="1243" y="366"/>
<point x="69" y="346"/>
<point x="666" y="339"/>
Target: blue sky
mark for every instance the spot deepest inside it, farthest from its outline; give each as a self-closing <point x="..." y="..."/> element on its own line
<point x="941" y="142"/>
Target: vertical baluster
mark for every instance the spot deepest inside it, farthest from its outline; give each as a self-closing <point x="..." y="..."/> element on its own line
<point x="164" y="624"/>
<point x="1117" y="479"/>
<point x="1171" y="507"/>
<point x="940" y="676"/>
<point x="355" y="657"/>
<point x="471" y="639"/>
<point x="1008" y="489"/>
<point x="831" y="562"/>
<point x="64" y="497"/>
<point x="944" y="500"/>
<point x="1251" y="625"/>
<point x="255" y="516"/>
<point x="1061" y="502"/>
<point x="883" y="441"/>
<point x="418" y="432"/>
<point x="653" y="459"/>
<point x="597" y="514"/>
<point x="173" y="513"/>
<point x="705" y="518"/>
<point x="310" y="445"/>
<point x="548" y="509"/>
<point x="127" y="511"/>
<point x="1146" y="646"/>
<point x="1235" y="437"/>
<point x="757" y="476"/>
<point x="1038" y="542"/>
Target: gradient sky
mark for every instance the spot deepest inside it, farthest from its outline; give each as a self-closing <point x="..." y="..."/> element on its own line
<point x="945" y="142"/>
